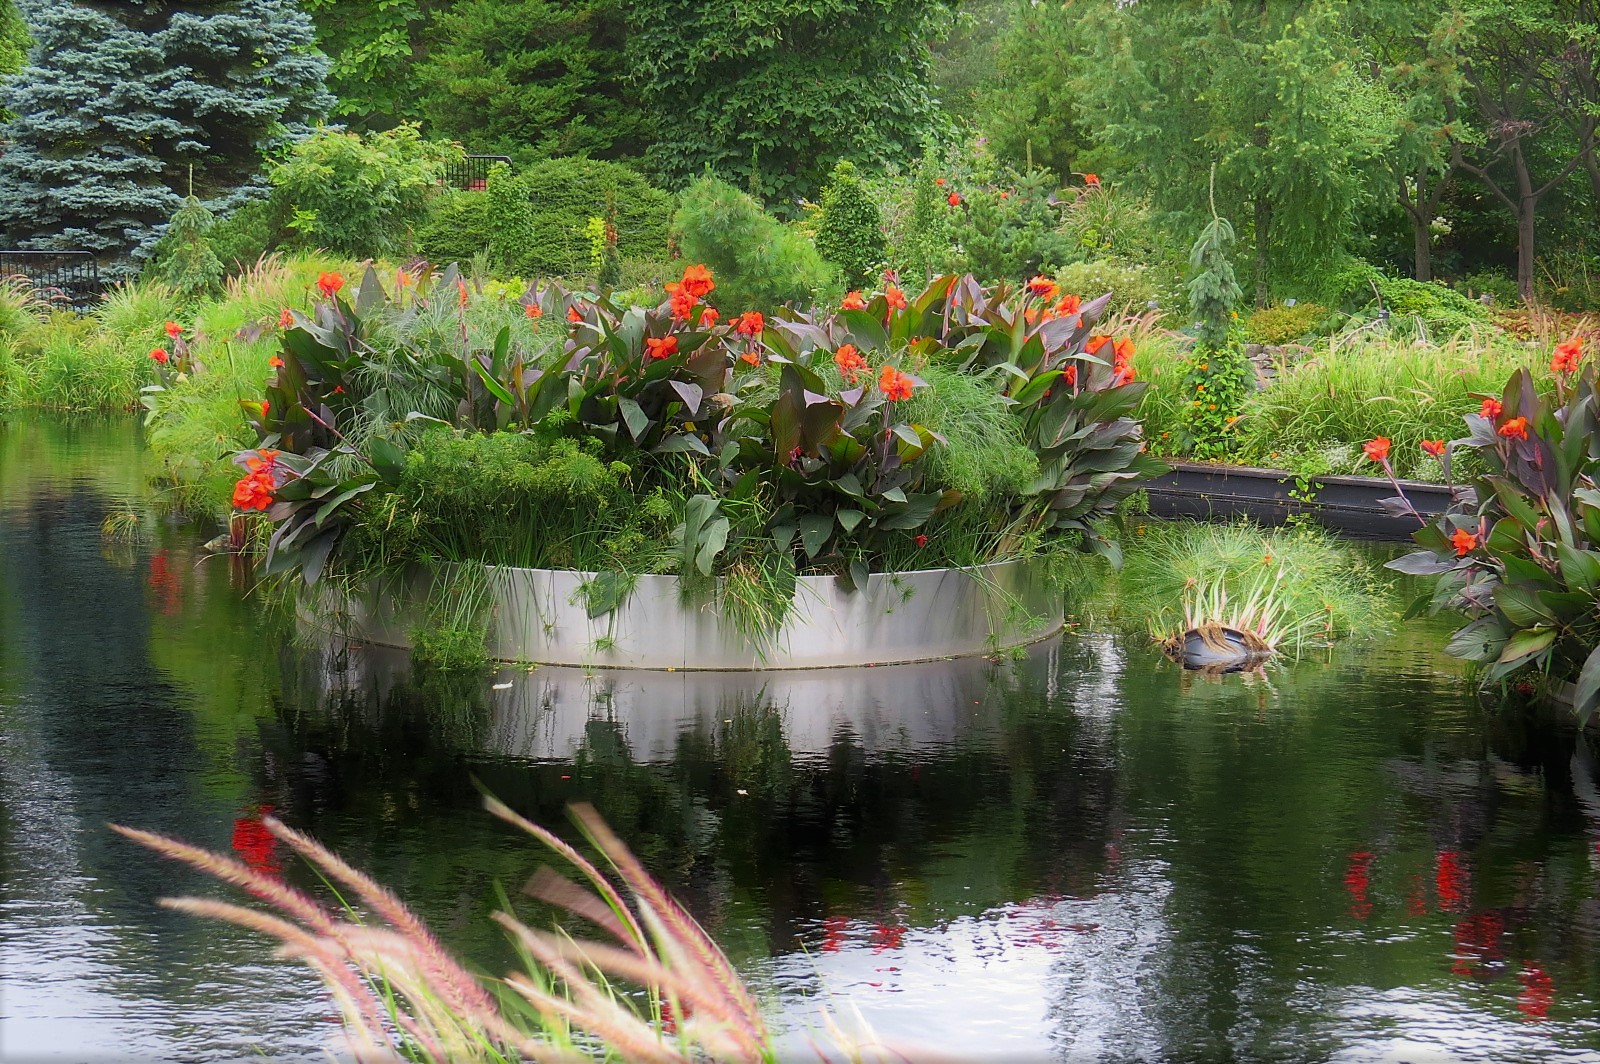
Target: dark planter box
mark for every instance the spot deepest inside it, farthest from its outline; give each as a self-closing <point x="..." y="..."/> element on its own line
<point x="1345" y="504"/>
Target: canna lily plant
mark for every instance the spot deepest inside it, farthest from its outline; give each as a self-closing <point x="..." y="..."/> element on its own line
<point x="1519" y="550"/>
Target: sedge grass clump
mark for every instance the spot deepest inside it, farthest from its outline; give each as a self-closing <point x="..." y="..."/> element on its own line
<point x="1305" y="584"/>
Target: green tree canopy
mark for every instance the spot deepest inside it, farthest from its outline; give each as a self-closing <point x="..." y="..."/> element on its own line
<point x="768" y="93"/>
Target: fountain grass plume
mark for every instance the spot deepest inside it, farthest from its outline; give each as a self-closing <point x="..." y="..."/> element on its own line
<point x="403" y="997"/>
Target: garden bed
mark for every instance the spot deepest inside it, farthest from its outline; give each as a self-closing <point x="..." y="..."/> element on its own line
<point x="1272" y="496"/>
<point x="539" y="616"/>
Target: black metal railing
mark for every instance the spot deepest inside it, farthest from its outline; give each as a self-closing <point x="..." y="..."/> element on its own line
<point x="472" y="172"/>
<point x="62" y="278"/>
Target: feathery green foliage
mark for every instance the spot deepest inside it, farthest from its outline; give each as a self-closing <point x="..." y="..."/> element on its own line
<point x="850" y="229"/>
<point x="759" y="262"/>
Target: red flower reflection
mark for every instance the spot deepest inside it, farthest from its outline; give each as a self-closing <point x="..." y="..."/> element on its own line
<point x="1357" y="878"/>
<point x="255" y="845"/>
<point x="1538" y="992"/>
<point x="1450" y="882"/>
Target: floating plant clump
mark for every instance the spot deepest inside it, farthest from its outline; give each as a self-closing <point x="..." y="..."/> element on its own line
<point x="1217" y="633"/>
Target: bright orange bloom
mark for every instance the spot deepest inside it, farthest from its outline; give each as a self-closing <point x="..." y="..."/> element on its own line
<point x="896" y="298"/>
<point x="573" y="314"/>
<point x="531" y="311"/>
<point x="1515" y="429"/>
<point x="1092" y="180"/>
<point x="275" y="362"/>
<point x="266" y="458"/>
<point x="954" y="199"/>
<point x="1122" y="350"/>
<point x="853" y="301"/>
<point x="1377" y="449"/>
<point x="708" y="317"/>
<point x="660" y="346"/>
<point x="681" y="300"/>
<point x="461" y="293"/>
<point x="1068" y="306"/>
<point x="751" y="357"/>
<point x="849" y="361"/>
<point x="939" y="181"/>
<point x="750" y="323"/>
<point x="1124" y="375"/>
<point x="1095" y="344"/>
<point x="160" y="355"/>
<point x="1070" y="375"/>
<point x="894" y="384"/>
<point x="329" y="284"/>
<point x="697" y="281"/>
<point x="1433" y="448"/>
<point x="1490" y="409"/>
<point x="266" y="407"/>
<point x="286" y="318"/>
<point x="920" y="540"/>
<point x="1464" y="542"/>
<point x="402" y="279"/>
<point x="1044" y="288"/>
<point x="254" y="492"/>
<point x="174" y="330"/>
<point x="1567" y="355"/>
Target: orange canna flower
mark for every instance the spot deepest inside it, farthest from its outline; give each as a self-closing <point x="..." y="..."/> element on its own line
<point x="266" y="407"/>
<point x="1464" y="542"/>
<point x="1433" y="448"/>
<point x="894" y="384"/>
<point x="329" y="284"/>
<point x="159" y="354"/>
<point x="1124" y="375"/>
<point x="286" y="318"/>
<point x="1377" y="449"/>
<point x="853" y="301"/>
<point x="402" y="279"/>
<point x="1044" y="287"/>
<point x="920" y="540"/>
<point x="750" y="323"/>
<point x="1122" y="350"/>
<point x="697" y="281"/>
<point x="461" y="293"/>
<point x="1567" y="355"/>
<point x="660" y="346"/>
<point x="896" y="298"/>
<point x="1515" y="429"/>
<point x="954" y="199"/>
<point x="1095" y="344"/>
<point x="1092" y="180"/>
<point x="174" y="330"/>
<point x="275" y="362"/>
<point x="849" y="361"/>
<point x="681" y="300"/>
<point x="1070" y="375"/>
<point x="751" y="357"/>
<point x="1490" y="409"/>
<point x="708" y="317"/>
<point x="939" y="181"/>
<point x="1069" y="305"/>
<point x="573" y="314"/>
<point x="254" y="492"/>
<point x="532" y="311"/>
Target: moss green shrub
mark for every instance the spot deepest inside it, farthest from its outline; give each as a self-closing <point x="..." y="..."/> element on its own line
<point x="241" y="238"/>
<point x="1497" y="284"/>
<point x="1281" y="324"/>
<point x="759" y="262"/>
<point x="1131" y="286"/>
<point x="458" y="230"/>
<point x="566" y="193"/>
<point x="510" y="217"/>
<point x="850" y="228"/>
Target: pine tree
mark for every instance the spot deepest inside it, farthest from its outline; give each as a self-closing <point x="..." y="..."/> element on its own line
<point x="118" y="100"/>
<point x="193" y="267"/>
<point x="850" y="232"/>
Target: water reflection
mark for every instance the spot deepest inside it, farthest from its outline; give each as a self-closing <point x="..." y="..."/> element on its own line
<point x="1087" y="854"/>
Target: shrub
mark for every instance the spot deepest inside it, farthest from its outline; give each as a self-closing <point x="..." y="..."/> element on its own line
<point x="192" y="268"/>
<point x="1215" y="386"/>
<point x="1131" y="286"/>
<point x="759" y="262"/>
<point x="509" y="216"/>
<point x="1443" y="310"/>
<point x="458" y="229"/>
<point x="1500" y="286"/>
<point x="359" y="195"/>
<point x="566" y="193"/>
<point x="850" y="229"/>
<point x="1007" y="229"/>
<point x="241" y="237"/>
<point x="1281" y="324"/>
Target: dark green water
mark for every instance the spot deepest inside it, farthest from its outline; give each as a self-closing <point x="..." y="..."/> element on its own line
<point x="1086" y="855"/>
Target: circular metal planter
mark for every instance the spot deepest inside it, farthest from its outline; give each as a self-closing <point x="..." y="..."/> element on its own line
<point x="538" y="616"/>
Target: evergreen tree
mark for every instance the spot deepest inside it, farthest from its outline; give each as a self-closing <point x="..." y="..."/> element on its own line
<point x="119" y="100"/>
<point x="850" y="231"/>
<point x="192" y="267"/>
<point x="532" y="78"/>
<point x="762" y="92"/>
<point x="13" y="39"/>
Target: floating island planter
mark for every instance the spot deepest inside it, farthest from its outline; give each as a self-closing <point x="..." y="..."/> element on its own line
<point x="670" y="486"/>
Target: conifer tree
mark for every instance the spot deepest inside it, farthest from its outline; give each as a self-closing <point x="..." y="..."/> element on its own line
<point x="193" y="267"/>
<point x="850" y="231"/>
<point x="118" y="100"/>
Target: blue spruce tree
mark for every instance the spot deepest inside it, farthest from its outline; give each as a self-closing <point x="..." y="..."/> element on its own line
<point x="118" y="100"/>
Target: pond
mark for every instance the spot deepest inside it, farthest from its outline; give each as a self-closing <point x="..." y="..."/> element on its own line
<point x="1086" y="854"/>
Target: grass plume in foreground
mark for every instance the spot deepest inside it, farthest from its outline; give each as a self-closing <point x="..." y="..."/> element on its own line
<point x="405" y="998"/>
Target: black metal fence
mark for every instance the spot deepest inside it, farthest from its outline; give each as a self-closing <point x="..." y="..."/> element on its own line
<point x="472" y="172"/>
<point x="63" y="278"/>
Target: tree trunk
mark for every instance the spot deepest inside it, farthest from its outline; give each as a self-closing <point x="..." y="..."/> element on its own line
<point x="1525" y="215"/>
<point x="1263" y="258"/>
<point x="1422" y="248"/>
